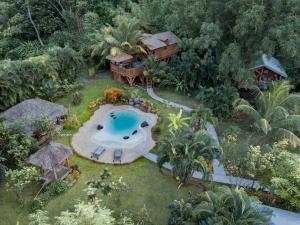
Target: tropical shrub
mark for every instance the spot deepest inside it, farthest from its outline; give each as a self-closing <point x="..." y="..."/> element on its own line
<point x="17" y="179"/>
<point x="77" y="97"/>
<point x="177" y="121"/>
<point x="56" y="187"/>
<point x="2" y="172"/>
<point x="25" y="50"/>
<point x="44" y="76"/>
<point x="72" y="122"/>
<point x="278" y="170"/>
<point x="224" y="206"/>
<point x="91" y="213"/>
<point x="219" y="99"/>
<point x="188" y="151"/>
<point x="43" y="126"/>
<point x="201" y="116"/>
<point x="113" y="95"/>
<point x="15" y="147"/>
<point x="154" y="71"/>
<point x="273" y="112"/>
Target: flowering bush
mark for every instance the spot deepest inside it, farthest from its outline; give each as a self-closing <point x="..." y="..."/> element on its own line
<point x="113" y="95"/>
<point x="93" y="104"/>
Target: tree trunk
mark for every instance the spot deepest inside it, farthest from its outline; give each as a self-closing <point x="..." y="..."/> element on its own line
<point x="33" y="24"/>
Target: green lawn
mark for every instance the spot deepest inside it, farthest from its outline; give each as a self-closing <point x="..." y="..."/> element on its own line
<point x="148" y="186"/>
<point x="174" y="96"/>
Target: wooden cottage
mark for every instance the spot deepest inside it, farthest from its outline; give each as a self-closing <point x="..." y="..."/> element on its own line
<point x="53" y="161"/>
<point x="129" y="67"/>
<point x="266" y="70"/>
<point x="29" y="110"/>
<point x="162" y="45"/>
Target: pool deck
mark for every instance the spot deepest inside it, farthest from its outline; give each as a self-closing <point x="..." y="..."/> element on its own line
<point x="84" y="144"/>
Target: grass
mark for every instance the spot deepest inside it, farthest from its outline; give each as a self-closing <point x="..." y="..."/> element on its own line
<point x="174" y="96"/>
<point x="148" y="186"/>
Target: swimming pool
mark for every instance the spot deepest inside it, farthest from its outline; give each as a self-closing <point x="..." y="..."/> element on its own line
<point x="121" y="128"/>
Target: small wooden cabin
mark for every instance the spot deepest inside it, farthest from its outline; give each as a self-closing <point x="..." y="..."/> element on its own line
<point x="129" y="67"/>
<point x="162" y="45"/>
<point x="266" y="70"/>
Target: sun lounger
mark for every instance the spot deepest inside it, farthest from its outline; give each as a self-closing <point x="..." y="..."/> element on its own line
<point x="117" y="155"/>
<point x="98" y="152"/>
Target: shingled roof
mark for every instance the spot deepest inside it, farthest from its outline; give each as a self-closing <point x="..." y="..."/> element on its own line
<point x="50" y="156"/>
<point x="160" y="40"/>
<point x="29" y="110"/>
<point x="270" y="63"/>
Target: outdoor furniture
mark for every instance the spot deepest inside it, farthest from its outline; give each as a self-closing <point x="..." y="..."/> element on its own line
<point x="117" y="155"/>
<point x="98" y="152"/>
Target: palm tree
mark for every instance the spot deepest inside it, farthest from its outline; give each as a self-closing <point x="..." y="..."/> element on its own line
<point x="177" y="121"/>
<point x="273" y="113"/>
<point x="188" y="151"/>
<point x="225" y="206"/>
<point x="123" y="38"/>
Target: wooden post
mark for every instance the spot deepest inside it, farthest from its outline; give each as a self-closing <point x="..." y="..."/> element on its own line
<point x="55" y="175"/>
<point x="68" y="163"/>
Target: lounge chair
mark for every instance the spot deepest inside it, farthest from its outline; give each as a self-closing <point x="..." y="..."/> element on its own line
<point x="117" y="155"/>
<point x="98" y="152"/>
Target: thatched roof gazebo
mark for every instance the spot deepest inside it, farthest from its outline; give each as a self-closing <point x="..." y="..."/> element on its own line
<point x="52" y="159"/>
<point x="31" y="109"/>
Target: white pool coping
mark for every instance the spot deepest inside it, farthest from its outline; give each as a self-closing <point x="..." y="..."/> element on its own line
<point x="84" y="143"/>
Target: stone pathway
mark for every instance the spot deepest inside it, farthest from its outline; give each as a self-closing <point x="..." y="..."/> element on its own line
<point x="279" y="216"/>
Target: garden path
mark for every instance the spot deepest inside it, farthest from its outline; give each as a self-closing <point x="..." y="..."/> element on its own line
<point x="279" y="216"/>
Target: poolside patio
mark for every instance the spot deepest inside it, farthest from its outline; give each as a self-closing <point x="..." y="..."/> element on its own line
<point x="84" y="144"/>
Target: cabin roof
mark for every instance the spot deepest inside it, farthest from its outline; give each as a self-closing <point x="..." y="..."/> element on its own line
<point x="119" y="58"/>
<point x="50" y="156"/>
<point x="27" y="111"/>
<point x="270" y="63"/>
<point x="160" y="40"/>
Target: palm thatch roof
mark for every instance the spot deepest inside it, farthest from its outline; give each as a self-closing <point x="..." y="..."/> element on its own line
<point x="50" y="156"/>
<point x="31" y="109"/>
<point x="270" y="63"/>
<point x="160" y="40"/>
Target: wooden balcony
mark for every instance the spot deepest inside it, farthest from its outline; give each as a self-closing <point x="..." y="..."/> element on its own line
<point x="129" y="73"/>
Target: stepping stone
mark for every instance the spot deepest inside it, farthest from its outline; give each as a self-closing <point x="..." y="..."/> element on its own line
<point x="126" y="137"/>
<point x="99" y="127"/>
<point x="134" y="132"/>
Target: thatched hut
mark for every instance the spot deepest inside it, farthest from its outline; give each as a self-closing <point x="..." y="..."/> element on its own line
<point x="53" y="161"/>
<point x="29" y="110"/>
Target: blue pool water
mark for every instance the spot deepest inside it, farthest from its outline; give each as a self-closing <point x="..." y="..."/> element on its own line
<point x="123" y="122"/>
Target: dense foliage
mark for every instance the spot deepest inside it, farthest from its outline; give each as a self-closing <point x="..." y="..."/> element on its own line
<point x="225" y="206"/>
<point x="273" y="113"/>
<point x="15" y="147"/>
<point x="46" y="76"/>
<point x="188" y="151"/>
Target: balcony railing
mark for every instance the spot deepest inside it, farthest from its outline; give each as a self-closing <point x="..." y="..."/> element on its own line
<point x="130" y="72"/>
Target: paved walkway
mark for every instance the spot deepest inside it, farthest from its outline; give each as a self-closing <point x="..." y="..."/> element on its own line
<point x="279" y="216"/>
